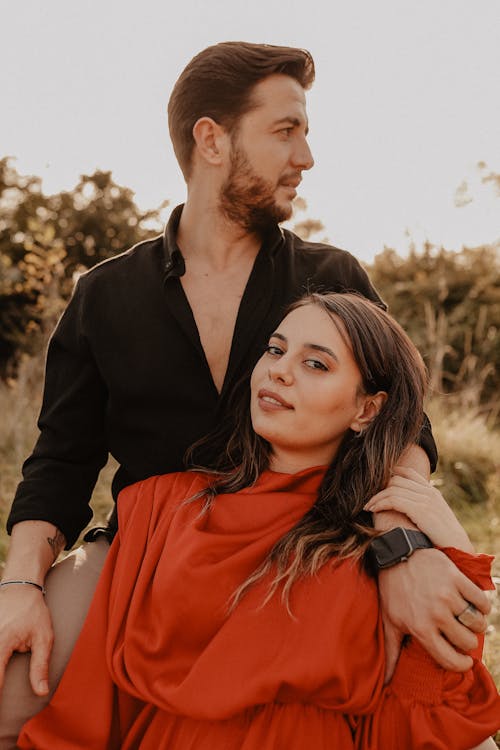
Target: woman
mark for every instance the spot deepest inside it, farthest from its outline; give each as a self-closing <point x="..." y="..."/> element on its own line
<point x="235" y="610"/>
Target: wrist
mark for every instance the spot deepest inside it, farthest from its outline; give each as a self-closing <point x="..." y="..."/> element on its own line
<point x="385" y="520"/>
<point x="451" y="534"/>
<point x="396" y="545"/>
<point x="33" y="548"/>
<point x="462" y="543"/>
<point x="21" y="569"/>
<point x="5" y="582"/>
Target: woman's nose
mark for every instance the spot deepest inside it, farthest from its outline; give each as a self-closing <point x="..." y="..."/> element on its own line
<point x="280" y="373"/>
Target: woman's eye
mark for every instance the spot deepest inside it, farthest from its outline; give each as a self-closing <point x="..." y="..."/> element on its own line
<point x="315" y="364"/>
<point x="274" y="350"/>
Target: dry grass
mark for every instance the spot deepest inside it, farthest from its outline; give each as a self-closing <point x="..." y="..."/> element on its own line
<point x="468" y="475"/>
<point x="19" y="406"/>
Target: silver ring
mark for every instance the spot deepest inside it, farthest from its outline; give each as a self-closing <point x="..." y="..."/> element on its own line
<point x="468" y="616"/>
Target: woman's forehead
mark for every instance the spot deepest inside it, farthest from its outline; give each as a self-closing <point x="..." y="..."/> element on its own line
<point x="310" y="323"/>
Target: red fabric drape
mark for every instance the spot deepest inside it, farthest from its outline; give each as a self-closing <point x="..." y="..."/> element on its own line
<point x="163" y="662"/>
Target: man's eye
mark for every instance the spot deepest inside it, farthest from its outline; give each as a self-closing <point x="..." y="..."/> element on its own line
<point x="316" y="364"/>
<point x="274" y="350"/>
<point x="286" y="132"/>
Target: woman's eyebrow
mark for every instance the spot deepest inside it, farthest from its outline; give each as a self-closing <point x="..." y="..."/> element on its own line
<point x="315" y="347"/>
<point x="319" y="348"/>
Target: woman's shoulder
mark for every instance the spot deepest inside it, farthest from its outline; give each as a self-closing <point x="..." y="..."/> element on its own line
<point x="160" y="491"/>
<point x="162" y="483"/>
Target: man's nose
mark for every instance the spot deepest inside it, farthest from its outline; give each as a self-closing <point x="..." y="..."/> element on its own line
<point x="302" y="157"/>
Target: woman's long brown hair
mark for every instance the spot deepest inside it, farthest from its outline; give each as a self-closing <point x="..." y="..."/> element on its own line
<point x="336" y="525"/>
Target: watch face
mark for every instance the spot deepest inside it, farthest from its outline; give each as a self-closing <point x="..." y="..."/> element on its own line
<point x="391" y="548"/>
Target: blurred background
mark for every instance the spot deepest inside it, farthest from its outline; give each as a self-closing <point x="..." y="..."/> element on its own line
<point x="405" y="126"/>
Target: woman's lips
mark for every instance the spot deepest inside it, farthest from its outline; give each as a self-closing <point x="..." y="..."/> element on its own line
<point x="268" y="400"/>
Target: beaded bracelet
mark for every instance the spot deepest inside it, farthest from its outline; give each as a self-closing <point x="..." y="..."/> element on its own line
<point x="28" y="583"/>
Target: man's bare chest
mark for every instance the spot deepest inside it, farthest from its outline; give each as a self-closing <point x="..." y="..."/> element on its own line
<point x="215" y="304"/>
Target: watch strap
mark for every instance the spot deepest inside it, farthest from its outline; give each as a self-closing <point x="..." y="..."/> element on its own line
<point x="417" y="539"/>
<point x="396" y="545"/>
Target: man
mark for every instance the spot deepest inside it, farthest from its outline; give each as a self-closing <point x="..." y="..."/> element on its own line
<point x="143" y="362"/>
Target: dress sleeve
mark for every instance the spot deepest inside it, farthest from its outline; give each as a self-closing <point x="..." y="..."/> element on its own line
<point x="60" y="474"/>
<point x="426" y="707"/>
<point x="475" y="567"/>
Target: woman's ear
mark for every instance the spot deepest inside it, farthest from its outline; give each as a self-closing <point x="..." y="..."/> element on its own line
<point x="370" y="407"/>
<point x="210" y="139"/>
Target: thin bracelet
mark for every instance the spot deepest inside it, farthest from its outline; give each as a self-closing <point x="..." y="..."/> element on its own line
<point x="28" y="583"/>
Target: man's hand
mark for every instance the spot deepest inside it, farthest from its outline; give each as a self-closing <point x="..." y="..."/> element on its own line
<point x="25" y="625"/>
<point x="421" y="597"/>
<point x="410" y="494"/>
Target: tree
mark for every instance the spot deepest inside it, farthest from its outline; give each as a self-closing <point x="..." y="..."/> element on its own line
<point x="46" y="241"/>
<point x="449" y="303"/>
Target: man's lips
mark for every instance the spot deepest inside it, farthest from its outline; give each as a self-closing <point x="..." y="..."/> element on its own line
<point x="271" y="400"/>
<point x="291" y="183"/>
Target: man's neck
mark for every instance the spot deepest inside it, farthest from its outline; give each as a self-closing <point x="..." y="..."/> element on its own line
<point x="207" y="238"/>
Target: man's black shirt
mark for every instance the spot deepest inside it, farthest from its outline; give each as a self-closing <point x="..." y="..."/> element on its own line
<point x="127" y="374"/>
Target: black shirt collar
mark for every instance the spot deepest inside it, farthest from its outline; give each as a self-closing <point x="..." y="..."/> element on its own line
<point x="173" y="260"/>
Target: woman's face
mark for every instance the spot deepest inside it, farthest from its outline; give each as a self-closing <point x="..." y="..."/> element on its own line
<point x="306" y="391"/>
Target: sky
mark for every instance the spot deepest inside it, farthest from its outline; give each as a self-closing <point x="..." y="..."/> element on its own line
<point x="405" y="104"/>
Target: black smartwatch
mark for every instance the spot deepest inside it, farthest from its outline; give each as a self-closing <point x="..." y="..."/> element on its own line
<point x="396" y="546"/>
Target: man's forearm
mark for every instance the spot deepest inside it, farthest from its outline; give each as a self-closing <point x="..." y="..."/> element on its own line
<point x="34" y="547"/>
<point x="416" y="458"/>
<point x="413" y="458"/>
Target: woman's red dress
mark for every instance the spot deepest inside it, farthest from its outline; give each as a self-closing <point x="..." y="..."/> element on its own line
<point x="163" y="663"/>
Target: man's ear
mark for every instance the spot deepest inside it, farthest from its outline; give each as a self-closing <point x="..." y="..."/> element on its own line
<point x="370" y="407"/>
<point x="210" y="139"/>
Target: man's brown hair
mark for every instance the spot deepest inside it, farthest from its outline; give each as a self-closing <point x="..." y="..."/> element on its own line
<point x="218" y="83"/>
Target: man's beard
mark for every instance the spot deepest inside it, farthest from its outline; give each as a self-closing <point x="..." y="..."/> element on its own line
<point x="247" y="199"/>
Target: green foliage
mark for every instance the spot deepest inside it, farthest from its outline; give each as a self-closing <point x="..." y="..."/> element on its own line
<point x="449" y="303"/>
<point x="47" y="240"/>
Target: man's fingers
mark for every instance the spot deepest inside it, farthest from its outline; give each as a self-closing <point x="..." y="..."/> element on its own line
<point x="459" y="636"/>
<point x="26" y="626"/>
<point x="7" y="647"/>
<point x="393" y="639"/>
<point x="3" y="665"/>
<point x="434" y="592"/>
<point x="472" y="619"/>
<point x="39" y="665"/>
<point x="472" y="594"/>
<point x="444" y="653"/>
